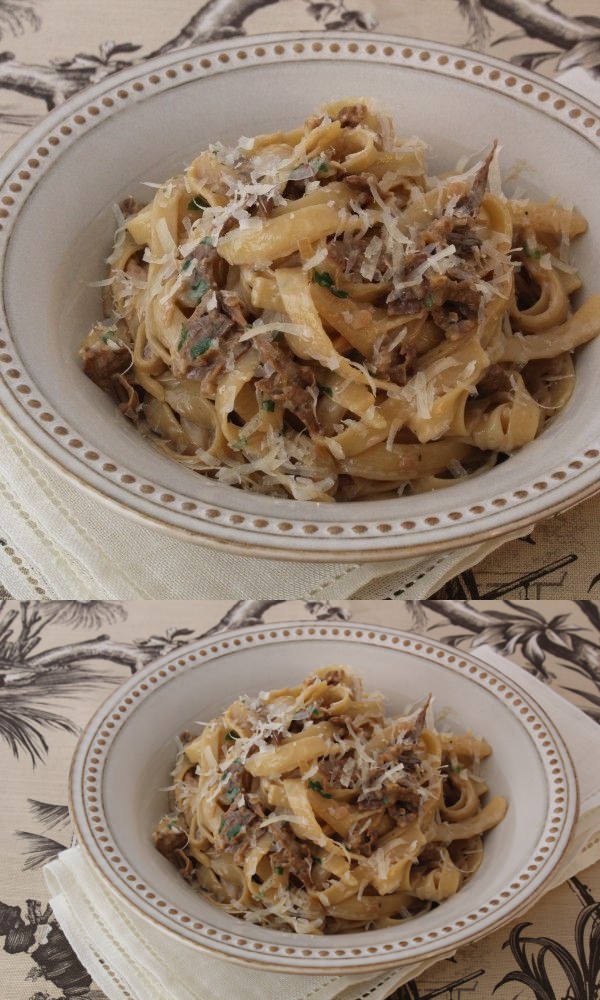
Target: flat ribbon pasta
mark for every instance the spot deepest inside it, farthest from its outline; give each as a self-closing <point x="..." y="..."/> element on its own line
<point x="311" y="314"/>
<point x="308" y="809"/>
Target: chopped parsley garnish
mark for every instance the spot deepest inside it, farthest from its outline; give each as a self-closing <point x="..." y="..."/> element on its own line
<point x="259" y="895"/>
<point x="237" y="760"/>
<point x="231" y="793"/>
<point x="316" y="860"/>
<point x="201" y="347"/>
<point x="200" y="288"/>
<point x="318" y="787"/>
<point x="197" y="204"/>
<point x="108" y="336"/>
<point x="324" y="279"/>
<point x="207" y="242"/>
<point x="428" y="301"/>
<point x="322" y="167"/>
<point x="239" y="444"/>
<point x="314" y="710"/>
<point x="455" y="767"/>
<point x="327" y="390"/>
<point x="183" y="337"/>
<point x="534" y="252"/>
<point x="268" y="405"/>
<point x="234" y="831"/>
<point x="186" y="264"/>
<point x="232" y="735"/>
<point x="279" y="870"/>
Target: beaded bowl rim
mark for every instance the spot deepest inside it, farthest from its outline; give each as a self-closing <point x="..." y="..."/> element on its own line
<point x="252" y="523"/>
<point x="93" y="833"/>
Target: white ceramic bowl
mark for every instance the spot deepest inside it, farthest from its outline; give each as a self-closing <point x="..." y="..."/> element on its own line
<point x="56" y="226"/>
<point x="127" y="753"/>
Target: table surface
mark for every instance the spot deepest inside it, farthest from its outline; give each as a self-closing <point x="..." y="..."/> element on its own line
<point x="41" y="711"/>
<point x="55" y="47"/>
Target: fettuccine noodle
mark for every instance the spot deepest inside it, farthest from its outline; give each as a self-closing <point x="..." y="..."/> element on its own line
<point x="310" y="314"/>
<point x="307" y="808"/>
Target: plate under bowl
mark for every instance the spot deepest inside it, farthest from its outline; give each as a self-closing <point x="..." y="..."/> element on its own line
<point x="127" y="752"/>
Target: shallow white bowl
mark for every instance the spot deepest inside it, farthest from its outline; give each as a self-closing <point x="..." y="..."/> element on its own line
<point x="57" y="186"/>
<point x="128" y="750"/>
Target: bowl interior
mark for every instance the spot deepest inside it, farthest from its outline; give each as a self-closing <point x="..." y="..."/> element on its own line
<point x="67" y="227"/>
<point x="141" y="757"/>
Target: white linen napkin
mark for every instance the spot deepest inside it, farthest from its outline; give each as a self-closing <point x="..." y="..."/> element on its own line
<point x="61" y="542"/>
<point x="130" y="959"/>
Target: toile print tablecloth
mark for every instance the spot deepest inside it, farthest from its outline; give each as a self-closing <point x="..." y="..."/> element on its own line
<point x="51" y="49"/>
<point x="58" y="660"/>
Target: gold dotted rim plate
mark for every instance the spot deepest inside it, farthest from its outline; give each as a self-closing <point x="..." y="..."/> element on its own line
<point x="524" y="870"/>
<point x="225" y="516"/>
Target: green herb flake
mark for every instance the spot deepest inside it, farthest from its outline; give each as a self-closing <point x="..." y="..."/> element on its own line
<point x="428" y="301"/>
<point x="237" y="760"/>
<point x="183" y="337"/>
<point x="316" y="860"/>
<point x="108" y="336"/>
<point x="316" y="786"/>
<point x="201" y="347"/>
<point x="186" y="264"/>
<point x="322" y="167"/>
<point x="268" y="405"/>
<point x="279" y="870"/>
<point x="200" y="288"/>
<point x="239" y="444"/>
<point x="315" y="711"/>
<point x="259" y="895"/>
<point x="324" y="279"/>
<point x="326" y="390"/>
<point x="207" y="241"/>
<point x="534" y="252"/>
<point x="234" y="831"/>
<point x="232" y="735"/>
<point x="197" y="204"/>
<point x="455" y="768"/>
<point x="231" y="793"/>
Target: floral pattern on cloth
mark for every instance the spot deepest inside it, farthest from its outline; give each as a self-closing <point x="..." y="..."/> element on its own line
<point x="547" y="37"/>
<point x="58" y="659"/>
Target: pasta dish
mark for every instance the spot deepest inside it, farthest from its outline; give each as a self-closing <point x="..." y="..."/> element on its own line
<point x="307" y="809"/>
<point x="312" y="314"/>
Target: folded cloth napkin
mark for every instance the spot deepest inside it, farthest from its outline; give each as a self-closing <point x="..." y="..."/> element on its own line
<point x="61" y="542"/>
<point x="130" y="958"/>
